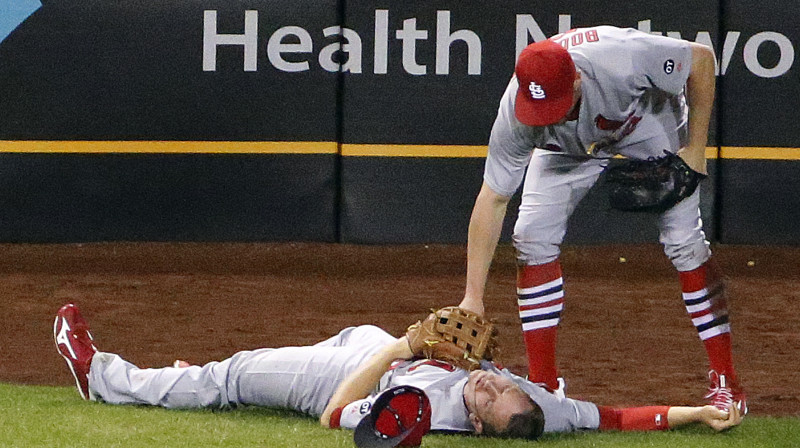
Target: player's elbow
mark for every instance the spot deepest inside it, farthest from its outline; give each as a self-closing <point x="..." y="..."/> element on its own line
<point x="325" y="419"/>
<point x="491" y="197"/>
<point x="331" y="418"/>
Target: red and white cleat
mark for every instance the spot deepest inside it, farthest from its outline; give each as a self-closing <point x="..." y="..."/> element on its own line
<point x="75" y="344"/>
<point x="723" y="393"/>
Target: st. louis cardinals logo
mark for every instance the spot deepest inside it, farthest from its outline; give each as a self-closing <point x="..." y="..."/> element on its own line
<point x="537" y="92"/>
<point x="605" y="124"/>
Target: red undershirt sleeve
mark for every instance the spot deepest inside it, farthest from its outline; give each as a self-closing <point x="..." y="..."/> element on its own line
<point x="336" y="417"/>
<point x="648" y="418"/>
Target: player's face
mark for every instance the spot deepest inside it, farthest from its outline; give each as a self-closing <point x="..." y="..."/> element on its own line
<point x="493" y="399"/>
<point x="572" y="114"/>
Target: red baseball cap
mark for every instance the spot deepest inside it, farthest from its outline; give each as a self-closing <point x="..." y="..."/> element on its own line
<point x="546" y="73"/>
<point x="400" y="416"/>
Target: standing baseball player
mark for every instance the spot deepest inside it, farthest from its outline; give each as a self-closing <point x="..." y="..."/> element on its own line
<point x="338" y="379"/>
<point x="580" y="98"/>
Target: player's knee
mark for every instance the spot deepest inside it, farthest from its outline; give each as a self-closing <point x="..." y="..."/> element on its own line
<point x="689" y="255"/>
<point x="536" y="253"/>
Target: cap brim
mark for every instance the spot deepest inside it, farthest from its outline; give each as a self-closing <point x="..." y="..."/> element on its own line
<point x="540" y="112"/>
<point x="366" y="436"/>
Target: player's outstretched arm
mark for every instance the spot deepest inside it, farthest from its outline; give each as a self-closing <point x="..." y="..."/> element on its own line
<point x="708" y="415"/>
<point x="363" y="380"/>
<point x="484" y="233"/>
<point x="659" y="418"/>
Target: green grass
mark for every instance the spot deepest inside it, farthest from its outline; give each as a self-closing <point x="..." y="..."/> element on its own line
<point x="56" y="417"/>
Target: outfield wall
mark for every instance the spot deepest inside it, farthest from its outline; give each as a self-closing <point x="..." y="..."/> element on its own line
<point x="359" y="121"/>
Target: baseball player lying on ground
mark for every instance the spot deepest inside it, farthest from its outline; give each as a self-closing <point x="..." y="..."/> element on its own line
<point x="336" y="380"/>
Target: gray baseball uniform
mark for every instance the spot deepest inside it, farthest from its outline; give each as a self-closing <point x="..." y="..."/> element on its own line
<point x="445" y="384"/>
<point x="632" y="104"/>
<point x="305" y="378"/>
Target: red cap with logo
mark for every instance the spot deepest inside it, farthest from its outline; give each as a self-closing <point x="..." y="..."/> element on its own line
<point x="400" y="416"/>
<point x="546" y="73"/>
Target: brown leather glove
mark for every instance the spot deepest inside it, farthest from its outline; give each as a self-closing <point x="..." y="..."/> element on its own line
<point x="453" y="335"/>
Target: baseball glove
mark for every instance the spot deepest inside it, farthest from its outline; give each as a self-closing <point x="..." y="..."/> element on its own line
<point x="453" y="335"/>
<point x="653" y="185"/>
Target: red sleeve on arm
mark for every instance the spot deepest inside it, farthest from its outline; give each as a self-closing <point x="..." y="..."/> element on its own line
<point x="336" y="417"/>
<point x="648" y="418"/>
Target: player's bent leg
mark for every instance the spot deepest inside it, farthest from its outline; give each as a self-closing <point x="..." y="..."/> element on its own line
<point x="681" y="233"/>
<point x="705" y="298"/>
<point x="554" y="185"/>
<point x="704" y="295"/>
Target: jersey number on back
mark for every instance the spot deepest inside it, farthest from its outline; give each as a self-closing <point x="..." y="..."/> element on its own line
<point x="574" y="38"/>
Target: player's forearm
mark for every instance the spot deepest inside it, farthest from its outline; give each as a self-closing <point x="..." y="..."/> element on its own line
<point x="700" y="88"/>
<point x="485" y="226"/>
<point x="363" y="380"/>
<point x="682" y="415"/>
<point x="707" y="415"/>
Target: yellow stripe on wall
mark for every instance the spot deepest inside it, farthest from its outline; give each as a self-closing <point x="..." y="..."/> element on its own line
<point x="347" y="150"/>
<point x="350" y="150"/>
<point x="187" y="147"/>
<point x="731" y="152"/>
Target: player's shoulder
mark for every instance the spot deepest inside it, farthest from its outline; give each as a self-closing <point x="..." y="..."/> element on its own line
<point x="630" y="37"/>
<point x="600" y="52"/>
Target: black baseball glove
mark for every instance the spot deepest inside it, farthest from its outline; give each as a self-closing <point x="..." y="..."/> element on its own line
<point x="653" y="185"/>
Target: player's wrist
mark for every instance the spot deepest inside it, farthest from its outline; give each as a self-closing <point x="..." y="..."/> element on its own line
<point x="695" y="158"/>
<point x="472" y="304"/>
<point x="401" y="349"/>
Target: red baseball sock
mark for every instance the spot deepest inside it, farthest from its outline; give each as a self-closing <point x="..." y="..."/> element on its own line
<point x="540" y="296"/>
<point x="706" y="303"/>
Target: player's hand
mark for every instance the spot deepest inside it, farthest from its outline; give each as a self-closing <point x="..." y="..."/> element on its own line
<point x="720" y="420"/>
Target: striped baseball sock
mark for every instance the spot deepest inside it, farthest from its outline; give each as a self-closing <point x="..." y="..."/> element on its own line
<point x="704" y="297"/>
<point x="540" y="296"/>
